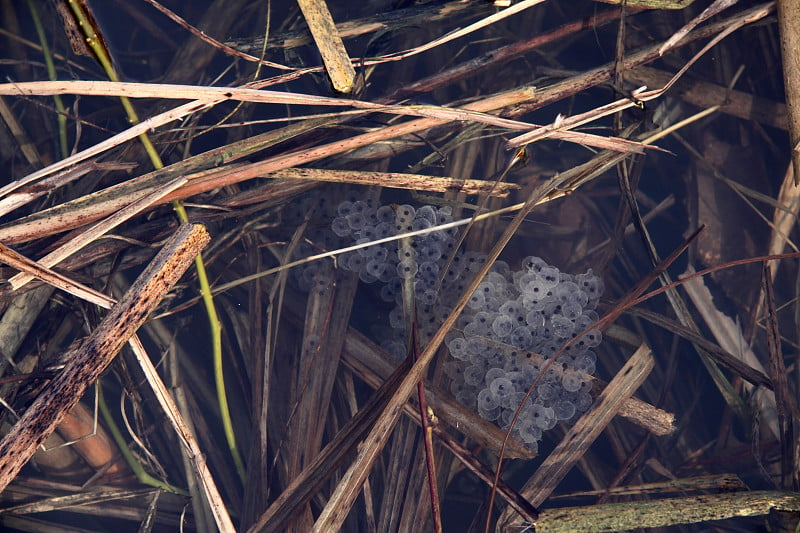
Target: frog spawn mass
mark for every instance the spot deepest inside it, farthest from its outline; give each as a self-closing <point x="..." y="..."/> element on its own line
<point x="513" y="326"/>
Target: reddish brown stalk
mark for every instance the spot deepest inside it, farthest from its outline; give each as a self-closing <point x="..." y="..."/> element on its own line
<point x="427" y="420"/>
<point x="786" y="407"/>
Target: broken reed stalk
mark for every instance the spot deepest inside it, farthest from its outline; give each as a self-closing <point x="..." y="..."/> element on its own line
<point x="665" y="512"/>
<point x="93" y="356"/>
<point x="329" y="43"/>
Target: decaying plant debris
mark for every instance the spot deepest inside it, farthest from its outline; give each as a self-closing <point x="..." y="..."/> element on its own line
<point x="649" y="141"/>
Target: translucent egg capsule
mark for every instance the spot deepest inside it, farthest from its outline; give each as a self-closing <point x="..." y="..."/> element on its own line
<point x="487" y="400"/>
<point x="501" y="387"/>
<point x="360" y="206"/>
<point x="494" y="373"/>
<point x="546" y="391"/>
<point x="366" y="277"/>
<point x="341" y="227"/>
<point x="454" y="370"/>
<point x="385" y="215"/>
<point x="344" y="208"/>
<point x="562" y="326"/>
<point x="458" y="348"/>
<point x="427" y="212"/>
<point x="383" y="230"/>
<point x="549" y="276"/>
<point x="571" y="381"/>
<point x="420" y="224"/>
<point x="521" y="338"/>
<point x="431" y="252"/>
<point x="444" y="215"/>
<point x="428" y="297"/>
<point x="490" y="414"/>
<point x="477" y="300"/>
<point x="529" y="433"/>
<point x="564" y="410"/>
<point x="585" y="362"/>
<point x="502" y="326"/>
<point x="583" y="401"/>
<point x="473" y="375"/>
<point x="356" y="262"/>
<point x="407" y="268"/>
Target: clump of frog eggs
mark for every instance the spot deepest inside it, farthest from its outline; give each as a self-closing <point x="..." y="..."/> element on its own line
<point x="515" y="323"/>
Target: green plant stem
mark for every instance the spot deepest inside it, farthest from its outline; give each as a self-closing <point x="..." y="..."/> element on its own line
<point x="133" y="463"/>
<point x="205" y="288"/>
<point x="51" y="73"/>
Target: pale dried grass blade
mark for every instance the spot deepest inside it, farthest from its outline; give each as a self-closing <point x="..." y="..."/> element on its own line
<point x="214" y="95"/>
<point x="16" y="260"/>
<point x="97" y="149"/>
<point x="730" y="337"/>
<point x="91" y="234"/>
<point x="784" y="218"/>
<point x="20" y="198"/>
<point x="491" y="19"/>
<point x="190" y="446"/>
<point x="717" y="7"/>
<point x="788" y="13"/>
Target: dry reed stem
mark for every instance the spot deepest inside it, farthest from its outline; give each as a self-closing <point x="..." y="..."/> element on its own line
<point x="203" y="36"/>
<point x="717" y="482"/>
<point x="501" y="56"/>
<point x="20" y="198"/>
<point x="721" y="356"/>
<point x="329" y="43"/>
<point x="784" y="218"/>
<point x="636" y="98"/>
<point x="665" y="512"/>
<point x="397" y="180"/>
<point x="592" y="78"/>
<point x="88" y="361"/>
<point x="715" y="8"/>
<point x="188" y="441"/>
<point x="788" y="15"/>
<point x="787" y="410"/>
<point x="215" y="95"/>
<point x="457" y="34"/>
<point x="97" y="149"/>
<point x="100" y="496"/>
<point x="302" y="488"/>
<point x="420" y="14"/>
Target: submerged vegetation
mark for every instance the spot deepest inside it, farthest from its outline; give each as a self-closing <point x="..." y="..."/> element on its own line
<point x="423" y="221"/>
